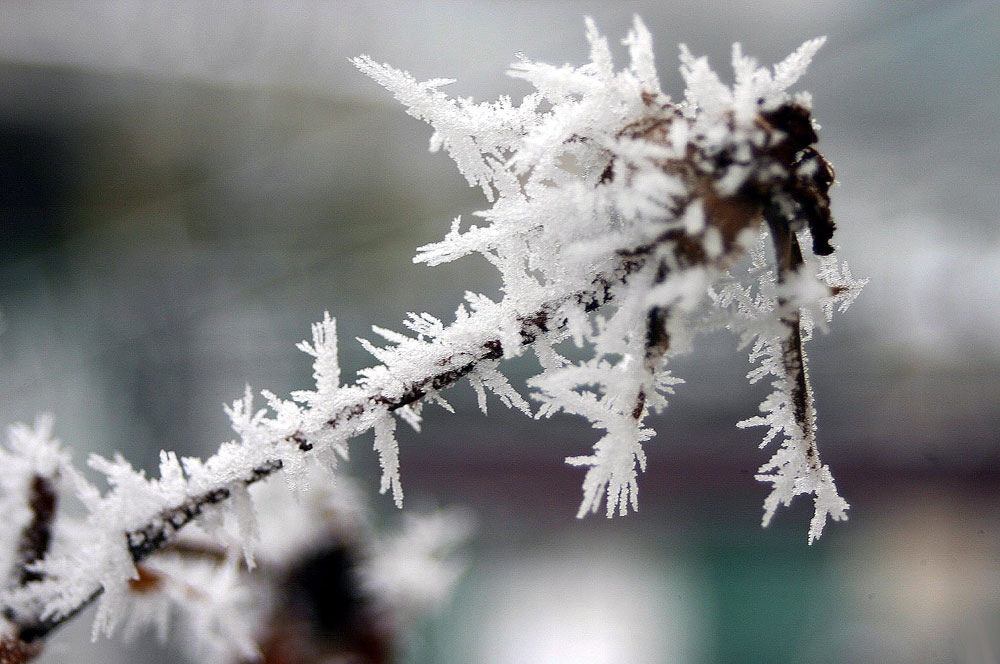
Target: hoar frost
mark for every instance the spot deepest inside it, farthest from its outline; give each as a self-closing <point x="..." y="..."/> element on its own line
<point x="619" y="223"/>
<point x="604" y="189"/>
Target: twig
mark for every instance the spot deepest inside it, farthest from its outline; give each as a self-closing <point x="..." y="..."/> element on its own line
<point x="35" y="539"/>
<point x="788" y="256"/>
<point x="160" y="530"/>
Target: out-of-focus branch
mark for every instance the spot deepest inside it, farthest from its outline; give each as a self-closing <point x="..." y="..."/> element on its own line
<point x="36" y="536"/>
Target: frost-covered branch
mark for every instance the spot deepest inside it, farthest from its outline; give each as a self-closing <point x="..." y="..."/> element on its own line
<point x="620" y="222"/>
<point x="468" y="347"/>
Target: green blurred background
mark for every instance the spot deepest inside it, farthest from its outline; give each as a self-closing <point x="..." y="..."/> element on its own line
<point x="186" y="186"/>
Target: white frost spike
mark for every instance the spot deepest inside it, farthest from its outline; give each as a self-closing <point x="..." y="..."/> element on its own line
<point x="828" y="503"/>
<point x="456" y="122"/>
<point x="33" y="449"/>
<point x="388" y="451"/>
<point x="411" y="414"/>
<point x="790" y="70"/>
<point x="117" y="571"/>
<point x="246" y="521"/>
<point x="640" y="48"/>
<point x="600" y="53"/>
<point x="793" y="470"/>
<point x="245" y="421"/>
<point x="479" y="388"/>
<point x="705" y="91"/>
<point x="326" y="367"/>
<point x="435" y="397"/>
<point x="613" y="471"/>
<point x="390" y="335"/>
<point x="837" y="274"/>
<point x="487" y="375"/>
<point x="424" y="325"/>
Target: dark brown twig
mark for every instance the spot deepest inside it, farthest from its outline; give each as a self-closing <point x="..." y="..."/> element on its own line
<point x="42" y="500"/>
<point x="36" y="536"/>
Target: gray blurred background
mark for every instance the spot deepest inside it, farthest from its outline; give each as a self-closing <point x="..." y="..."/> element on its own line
<point x="186" y="186"/>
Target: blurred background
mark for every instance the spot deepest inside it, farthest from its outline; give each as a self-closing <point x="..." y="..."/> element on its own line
<point x="186" y="186"/>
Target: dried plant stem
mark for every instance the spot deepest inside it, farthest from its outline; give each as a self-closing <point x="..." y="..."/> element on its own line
<point x="160" y="530"/>
<point x="788" y="256"/>
<point x="36" y="536"/>
<point x="42" y="500"/>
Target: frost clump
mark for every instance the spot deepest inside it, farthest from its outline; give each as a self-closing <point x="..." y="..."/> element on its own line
<point x="607" y="195"/>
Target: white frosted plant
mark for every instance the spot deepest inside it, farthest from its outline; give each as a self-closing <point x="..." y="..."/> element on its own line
<point x="619" y="223"/>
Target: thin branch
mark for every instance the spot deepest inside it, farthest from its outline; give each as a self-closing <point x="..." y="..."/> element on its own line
<point x="161" y="529"/>
<point x="788" y="256"/>
<point x="34" y="543"/>
<point x="36" y="536"/>
<point x="16" y="651"/>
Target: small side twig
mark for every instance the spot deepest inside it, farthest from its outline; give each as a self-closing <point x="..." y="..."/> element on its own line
<point x="36" y="536"/>
<point x="789" y="259"/>
<point x="42" y="500"/>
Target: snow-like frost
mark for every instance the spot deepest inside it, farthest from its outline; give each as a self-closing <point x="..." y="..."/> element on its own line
<point x="618" y="222"/>
<point x="585" y="184"/>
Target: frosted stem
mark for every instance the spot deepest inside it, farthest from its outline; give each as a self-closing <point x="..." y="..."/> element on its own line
<point x="788" y="257"/>
<point x="161" y="529"/>
<point x="37" y="535"/>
